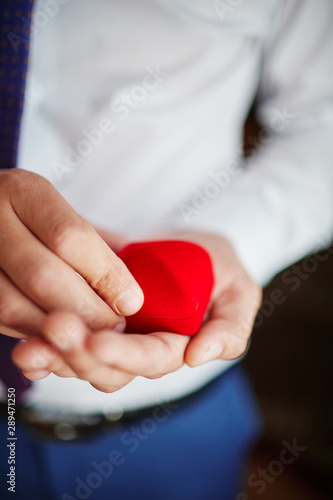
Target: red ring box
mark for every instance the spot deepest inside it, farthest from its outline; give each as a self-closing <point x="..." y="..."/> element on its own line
<point x="176" y="278"/>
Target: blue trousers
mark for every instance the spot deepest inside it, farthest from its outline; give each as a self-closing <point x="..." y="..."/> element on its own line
<point x="193" y="451"/>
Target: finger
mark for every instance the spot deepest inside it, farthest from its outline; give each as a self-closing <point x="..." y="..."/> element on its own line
<point x="36" y="356"/>
<point x="15" y="334"/>
<point x="226" y="334"/>
<point x="115" y="241"/>
<point x="75" y="241"/>
<point x="46" y="280"/>
<point x="36" y="374"/>
<point x="152" y="355"/>
<point x="17" y="313"/>
<point x="70" y="335"/>
<point x="32" y="363"/>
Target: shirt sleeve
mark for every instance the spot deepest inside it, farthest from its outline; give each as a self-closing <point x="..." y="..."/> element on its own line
<point x="280" y="206"/>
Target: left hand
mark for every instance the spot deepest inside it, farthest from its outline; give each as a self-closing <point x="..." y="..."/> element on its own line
<point x="109" y="360"/>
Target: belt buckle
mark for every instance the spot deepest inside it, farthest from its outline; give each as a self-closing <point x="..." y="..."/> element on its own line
<point x="61" y="426"/>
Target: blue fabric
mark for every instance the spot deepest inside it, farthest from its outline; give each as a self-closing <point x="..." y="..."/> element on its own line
<point x="15" y="22"/>
<point x="10" y="375"/>
<point x="195" y="452"/>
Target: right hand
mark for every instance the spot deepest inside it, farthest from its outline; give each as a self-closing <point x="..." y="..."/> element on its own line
<point x="44" y="247"/>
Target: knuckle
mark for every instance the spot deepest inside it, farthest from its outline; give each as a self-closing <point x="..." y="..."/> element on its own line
<point x="66" y="233"/>
<point x="107" y="389"/>
<point x="97" y="315"/>
<point x="108" y="281"/>
<point x="244" y="328"/>
<point x="83" y="372"/>
<point x="9" y="310"/>
<point x="236" y="348"/>
<point x="5" y="179"/>
<point x="158" y="374"/>
<point x="9" y="184"/>
<point x="156" y="370"/>
<point x="165" y="359"/>
<point x="18" y="180"/>
<point x="62" y="372"/>
<point x="11" y="177"/>
<point x="38" y="277"/>
<point x="107" y="382"/>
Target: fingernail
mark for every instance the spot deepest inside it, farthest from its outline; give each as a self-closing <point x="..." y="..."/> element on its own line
<point x="127" y="303"/>
<point x="121" y="327"/>
<point x="212" y="352"/>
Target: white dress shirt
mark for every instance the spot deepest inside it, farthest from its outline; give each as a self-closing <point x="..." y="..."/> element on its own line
<point x="135" y="110"/>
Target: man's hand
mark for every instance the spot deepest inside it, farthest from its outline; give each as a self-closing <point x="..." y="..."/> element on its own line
<point x="109" y="359"/>
<point x="46" y="249"/>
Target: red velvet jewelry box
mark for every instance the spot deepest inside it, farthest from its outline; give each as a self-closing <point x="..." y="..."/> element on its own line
<point x="176" y="278"/>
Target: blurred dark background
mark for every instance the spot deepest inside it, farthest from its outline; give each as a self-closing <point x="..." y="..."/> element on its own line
<point x="290" y="366"/>
<point x="291" y="369"/>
